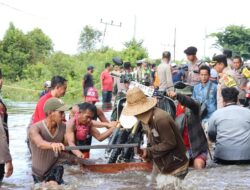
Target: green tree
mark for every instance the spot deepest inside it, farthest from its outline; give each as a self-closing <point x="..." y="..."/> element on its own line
<point x="235" y="38"/>
<point x="134" y="51"/>
<point x="89" y="38"/>
<point x="42" y="45"/>
<point x="15" y="52"/>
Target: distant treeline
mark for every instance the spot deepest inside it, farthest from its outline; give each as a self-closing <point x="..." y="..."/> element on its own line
<point x="27" y="60"/>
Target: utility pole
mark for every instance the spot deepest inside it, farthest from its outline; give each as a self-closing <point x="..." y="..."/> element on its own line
<point x="205" y="42"/>
<point x="134" y="26"/>
<point x="171" y="45"/>
<point x="174" y="42"/>
<point x="111" y="23"/>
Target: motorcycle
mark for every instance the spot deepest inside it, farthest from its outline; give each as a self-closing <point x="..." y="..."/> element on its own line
<point x="135" y="134"/>
<point x="123" y="135"/>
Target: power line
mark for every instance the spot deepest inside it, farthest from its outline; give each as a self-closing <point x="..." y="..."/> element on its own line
<point x="108" y="24"/>
<point x="19" y="10"/>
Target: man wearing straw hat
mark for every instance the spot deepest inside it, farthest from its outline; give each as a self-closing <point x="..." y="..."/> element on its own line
<point x="166" y="147"/>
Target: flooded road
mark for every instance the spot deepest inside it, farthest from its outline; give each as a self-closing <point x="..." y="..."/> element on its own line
<point x="213" y="177"/>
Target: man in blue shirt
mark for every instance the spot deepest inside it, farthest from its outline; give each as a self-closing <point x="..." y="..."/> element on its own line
<point x="206" y="91"/>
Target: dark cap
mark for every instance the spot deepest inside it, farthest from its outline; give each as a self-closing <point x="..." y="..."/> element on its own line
<point x="220" y="59"/>
<point x="90" y="68"/>
<point x="190" y="50"/>
<point x="55" y="104"/>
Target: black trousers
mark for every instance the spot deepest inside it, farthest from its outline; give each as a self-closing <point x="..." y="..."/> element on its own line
<point x="246" y="103"/>
<point x="1" y="172"/>
<point x="231" y="162"/>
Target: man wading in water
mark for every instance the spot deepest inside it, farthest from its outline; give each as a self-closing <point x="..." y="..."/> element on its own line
<point x="166" y="147"/>
<point x="46" y="141"/>
<point x="58" y="89"/>
<point x="80" y="127"/>
<point x="6" y="167"/>
<point x="189" y="123"/>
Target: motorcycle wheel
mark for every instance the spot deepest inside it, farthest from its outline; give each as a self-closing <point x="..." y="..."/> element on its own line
<point x="122" y="138"/>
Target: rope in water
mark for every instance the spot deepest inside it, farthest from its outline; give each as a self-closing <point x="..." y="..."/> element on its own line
<point x="27" y="89"/>
<point x="20" y="88"/>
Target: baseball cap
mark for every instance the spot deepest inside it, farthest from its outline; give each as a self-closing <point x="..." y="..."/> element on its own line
<point x="55" y="104"/>
<point x="92" y="95"/>
<point x="47" y="84"/>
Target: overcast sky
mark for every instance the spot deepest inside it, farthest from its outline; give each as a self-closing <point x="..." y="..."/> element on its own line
<point x="63" y="20"/>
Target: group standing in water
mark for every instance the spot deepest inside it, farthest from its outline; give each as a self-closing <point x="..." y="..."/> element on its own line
<point x="210" y="108"/>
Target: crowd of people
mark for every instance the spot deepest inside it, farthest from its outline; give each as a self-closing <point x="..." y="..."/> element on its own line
<point x="211" y="107"/>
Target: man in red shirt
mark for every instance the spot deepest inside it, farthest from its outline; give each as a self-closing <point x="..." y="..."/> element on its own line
<point x="58" y="89"/>
<point x="106" y="84"/>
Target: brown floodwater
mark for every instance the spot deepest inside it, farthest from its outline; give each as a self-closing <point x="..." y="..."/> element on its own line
<point x="214" y="177"/>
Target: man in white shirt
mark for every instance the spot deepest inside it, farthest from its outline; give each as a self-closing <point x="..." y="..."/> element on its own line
<point x="165" y="73"/>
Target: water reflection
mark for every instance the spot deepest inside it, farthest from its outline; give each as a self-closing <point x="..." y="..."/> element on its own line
<point x="213" y="177"/>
